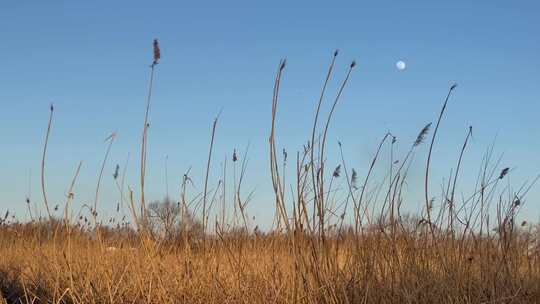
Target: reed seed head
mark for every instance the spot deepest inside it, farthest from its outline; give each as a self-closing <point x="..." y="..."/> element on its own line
<point x="354" y="178"/>
<point x="337" y="171"/>
<point x="422" y="135"/>
<point x="116" y="171"/>
<point x="504" y="172"/>
<point x="283" y="63"/>
<point x="157" y="52"/>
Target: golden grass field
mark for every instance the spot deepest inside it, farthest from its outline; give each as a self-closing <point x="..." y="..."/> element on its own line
<point x="360" y="248"/>
<point x="71" y="268"/>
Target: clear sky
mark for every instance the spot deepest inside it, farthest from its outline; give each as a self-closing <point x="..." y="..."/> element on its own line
<point x="90" y="58"/>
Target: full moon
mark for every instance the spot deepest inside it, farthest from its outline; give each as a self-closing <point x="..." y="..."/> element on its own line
<point x="400" y="65"/>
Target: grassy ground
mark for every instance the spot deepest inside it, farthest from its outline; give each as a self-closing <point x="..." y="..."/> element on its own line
<point x="71" y="267"/>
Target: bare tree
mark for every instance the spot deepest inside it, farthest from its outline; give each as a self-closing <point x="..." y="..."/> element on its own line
<point x="170" y="220"/>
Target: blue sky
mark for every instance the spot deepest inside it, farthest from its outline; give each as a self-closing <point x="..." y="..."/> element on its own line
<point x="91" y="60"/>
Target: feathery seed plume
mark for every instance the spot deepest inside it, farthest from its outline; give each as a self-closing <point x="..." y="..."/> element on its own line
<point x="115" y="174"/>
<point x="354" y="178"/>
<point x="337" y="171"/>
<point x="422" y="135"/>
<point x="157" y="52"/>
<point x="234" y="156"/>
<point x="504" y="172"/>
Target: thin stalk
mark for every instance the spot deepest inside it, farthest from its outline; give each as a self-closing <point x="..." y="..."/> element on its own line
<point x="44" y="192"/>
<point x="426" y="179"/>
<point x="451" y="202"/>
<point x="70" y="195"/>
<point x="312" y="150"/>
<point x="274" y="169"/>
<point x="144" y="141"/>
<point x="208" y="171"/>
<point x="323" y="143"/>
<point x="110" y="139"/>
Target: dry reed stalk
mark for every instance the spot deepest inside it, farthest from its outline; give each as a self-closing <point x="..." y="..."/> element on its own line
<point x="155" y="61"/>
<point x="166" y="176"/>
<point x="133" y="210"/>
<point x="204" y="212"/>
<point x="28" y="196"/>
<point x="70" y="196"/>
<point x="43" y="190"/>
<point x="321" y="153"/>
<point x="314" y="129"/>
<point x="358" y="206"/>
<point x="428" y="161"/>
<point x="120" y="184"/>
<point x="110" y="139"/>
<point x="281" y="211"/>
<point x="350" y="186"/>
<point x="224" y="196"/>
<point x="242" y="206"/>
<point x="452" y="195"/>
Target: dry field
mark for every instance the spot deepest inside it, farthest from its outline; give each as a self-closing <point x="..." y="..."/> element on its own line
<point x="39" y="265"/>
<point x="360" y="247"/>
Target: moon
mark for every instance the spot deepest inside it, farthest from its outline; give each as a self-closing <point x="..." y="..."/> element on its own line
<point x="400" y="65"/>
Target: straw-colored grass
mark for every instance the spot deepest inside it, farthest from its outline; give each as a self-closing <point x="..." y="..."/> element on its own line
<point x="264" y="269"/>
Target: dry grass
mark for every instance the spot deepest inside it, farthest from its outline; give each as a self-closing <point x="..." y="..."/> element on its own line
<point x="467" y="250"/>
<point x="264" y="269"/>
